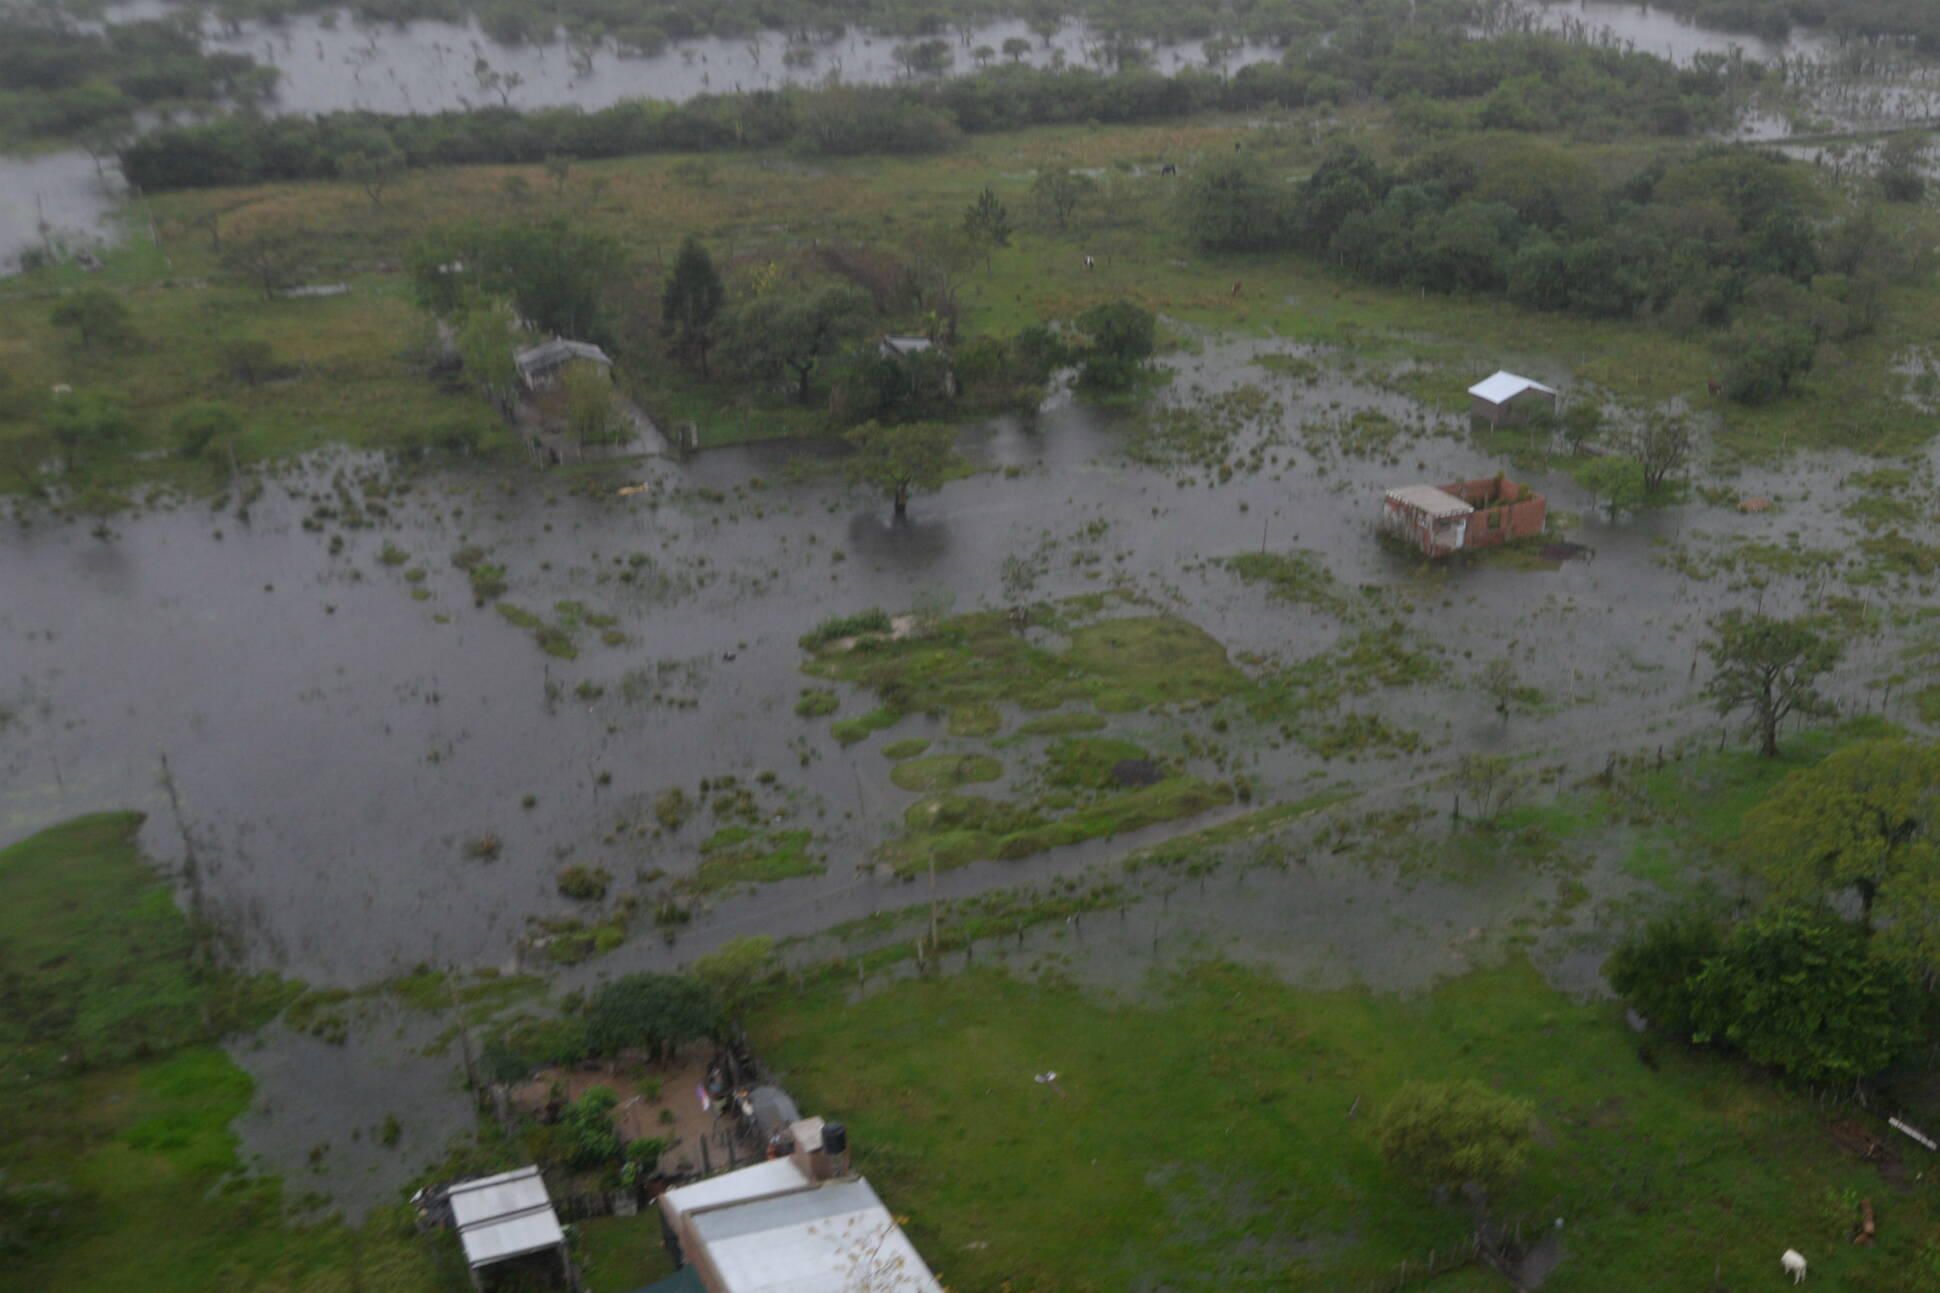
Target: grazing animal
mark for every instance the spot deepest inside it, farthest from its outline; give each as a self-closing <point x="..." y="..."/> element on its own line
<point x="1236" y="286"/>
<point x="1168" y="169"/>
<point x="1090" y="263"/>
<point x="1715" y="387"/>
<point x="1794" y="1263"/>
<point x="63" y="389"/>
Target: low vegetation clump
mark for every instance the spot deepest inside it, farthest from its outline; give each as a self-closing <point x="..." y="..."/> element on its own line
<point x="1300" y="577"/>
<point x="816" y="702"/>
<point x="839" y="627"/>
<point x="737" y="855"/>
<point x="588" y="884"/>
<point x="945" y="771"/>
<point x="850" y="730"/>
<point x="908" y="748"/>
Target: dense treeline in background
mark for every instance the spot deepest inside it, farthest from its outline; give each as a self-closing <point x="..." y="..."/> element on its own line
<point x="1525" y="82"/>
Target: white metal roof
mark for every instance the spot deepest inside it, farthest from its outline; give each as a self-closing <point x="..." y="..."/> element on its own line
<point x="758" y="1182"/>
<point x="907" y="345"/>
<point x="1506" y="386"/>
<point x="1437" y="504"/>
<point x="551" y="354"/>
<point x="822" y="1239"/>
<point x="504" y="1216"/>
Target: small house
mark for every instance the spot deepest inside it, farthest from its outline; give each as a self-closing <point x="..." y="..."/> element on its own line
<point x="1504" y="399"/>
<point x="540" y="366"/>
<point x="1465" y="515"/>
<point x="900" y="348"/>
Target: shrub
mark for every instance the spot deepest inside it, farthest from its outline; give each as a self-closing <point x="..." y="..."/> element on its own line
<point x="659" y="1012"/>
<point x="1653" y="969"/>
<point x="874" y="620"/>
<point x="585" y="883"/>
<point x="590" y="1140"/>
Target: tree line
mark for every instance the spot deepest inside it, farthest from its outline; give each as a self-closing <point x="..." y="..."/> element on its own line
<point x="1532" y="82"/>
<point x="1723" y="240"/>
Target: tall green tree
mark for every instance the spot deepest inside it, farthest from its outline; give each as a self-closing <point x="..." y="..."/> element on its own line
<point x="485" y="341"/>
<point x="656" y="1012"/>
<point x="793" y="329"/>
<point x="987" y="224"/>
<point x="1123" y="336"/>
<point x="1618" y="484"/>
<point x="1448" y="1134"/>
<point x="691" y="302"/>
<point x="1770" y="668"/>
<point x="917" y="457"/>
<point x="1796" y="991"/>
<point x="1865" y="820"/>
<point x="84" y="423"/>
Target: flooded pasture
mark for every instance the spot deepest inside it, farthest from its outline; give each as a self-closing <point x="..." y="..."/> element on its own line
<point x="372" y="773"/>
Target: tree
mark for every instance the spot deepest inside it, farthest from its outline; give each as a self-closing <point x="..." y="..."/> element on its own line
<point x="1654" y="967"/>
<point x="556" y="275"/>
<point x="248" y="359"/>
<point x="795" y="329"/>
<point x="1581" y="424"/>
<point x="484" y="342"/>
<point x="1659" y="447"/>
<point x="1448" y="1134"/>
<point x="373" y="167"/>
<point x="987" y="224"/>
<point x="902" y="460"/>
<point x="591" y="412"/>
<point x="1617" y="482"/>
<point x="1229" y="205"/>
<point x="85" y="421"/>
<point x="271" y="260"/>
<point x="660" y="1012"/>
<point x="1015" y="47"/>
<point x="196" y="428"/>
<point x="588" y="1126"/>
<point x="1796" y="991"/>
<point x="1768" y="666"/>
<point x="691" y="301"/>
<point x="1499" y="682"/>
<point x="1057" y="193"/>
<point x="1865" y="820"/>
<point x="1767" y="359"/>
<point x="1902" y="174"/>
<point x="98" y="318"/>
<point x="1489" y="782"/>
<point x="736" y="970"/>
<point x="1123" y="336"/>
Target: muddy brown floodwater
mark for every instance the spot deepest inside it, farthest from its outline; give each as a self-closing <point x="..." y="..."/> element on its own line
<point x="337" y="744"/>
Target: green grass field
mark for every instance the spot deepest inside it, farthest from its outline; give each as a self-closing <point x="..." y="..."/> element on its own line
<point x="1204" y="1139"/>
<point x="126" y="1177"/>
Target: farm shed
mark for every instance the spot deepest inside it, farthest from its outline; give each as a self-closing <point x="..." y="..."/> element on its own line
<point x="792" y="1225"/>
<point x="1503" y="399"/>
<point x="1468" y="514"/>
<point x="506" y="1216"/>
<point x="539" y="365"/>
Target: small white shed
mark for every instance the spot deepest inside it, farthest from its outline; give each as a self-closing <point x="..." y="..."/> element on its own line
<point x="1499" y="399"/>
<point x="506" y="1216"/>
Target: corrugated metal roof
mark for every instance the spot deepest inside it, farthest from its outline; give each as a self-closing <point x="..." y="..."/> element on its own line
<point x="826" y="1239"/>
<point x="1438" y="504"/>
<point x="551" y="354"/>
<point x="504" y="1216"/>
<point x="759" y="1181"/>
<point x="1506" y="386"/>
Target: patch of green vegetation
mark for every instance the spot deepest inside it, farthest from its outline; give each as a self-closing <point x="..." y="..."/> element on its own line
<point x="1300" y="577"/>
<point x="554" y="639"/>
<point x="1927" y="701"/>
<point x="586" y="883"/>
<point x="838" y="627"/>
<point x="519" y="617"/>
<point x="619" y="1254"/>
<point x="816" y="702"/>
<point x="1899" y="554"/>
<point x="1093" y="763"/>
<point x="1624" y="1145"/>
<point x="954" y="830"/>
<point x="123" y="1173"/>
<point x="975" y="720"/>
<point x="392" y="555"/>
<point x="743" y="855"/>
<point x="945" y="771"/>
<point x="977" y="660"/>
<point x="1186" y="849"/>
<point x="1062" y="725"/>
<point x="850" y="730"/>
<point x="908" y="748"/>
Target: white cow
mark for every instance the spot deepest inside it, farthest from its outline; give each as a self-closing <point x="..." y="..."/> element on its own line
<point x="1794" y="1263"/>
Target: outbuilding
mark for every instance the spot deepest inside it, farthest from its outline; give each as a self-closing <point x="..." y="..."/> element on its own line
<point x="539" y="365"/>
<point x="504" y="1218"/>
<point x="1505" y="398"/>
<point x="1464" y="515"/>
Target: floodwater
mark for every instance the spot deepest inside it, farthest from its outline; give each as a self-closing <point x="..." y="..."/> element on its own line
<point x="336" y="743"/>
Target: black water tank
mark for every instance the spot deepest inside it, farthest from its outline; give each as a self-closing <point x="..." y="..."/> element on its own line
<point x="835" y="1138"/>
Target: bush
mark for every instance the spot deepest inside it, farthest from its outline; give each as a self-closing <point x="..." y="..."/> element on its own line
<point x="199" y="426"/>
<point x="1653" y="969"/>
<point x="584" y="882"/>
<point x="659" y="1012"/>
<point x="873" y="620"/>
<point x="249" y="361"/>
<point x="590" y="1140"/>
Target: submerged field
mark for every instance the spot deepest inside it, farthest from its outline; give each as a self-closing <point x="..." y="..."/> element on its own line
<point x="1130" y="752"/>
